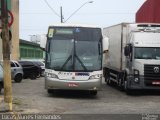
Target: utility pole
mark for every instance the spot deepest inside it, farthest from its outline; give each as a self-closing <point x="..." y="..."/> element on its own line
<point x="61" y="12"/>
<point x="15" y="30"/>
<point x="6" y="55"/>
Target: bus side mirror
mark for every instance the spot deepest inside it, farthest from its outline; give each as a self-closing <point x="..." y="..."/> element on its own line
<point x="105" y="44"/>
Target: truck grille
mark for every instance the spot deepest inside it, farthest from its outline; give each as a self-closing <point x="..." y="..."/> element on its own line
<point x="151" y="75"/>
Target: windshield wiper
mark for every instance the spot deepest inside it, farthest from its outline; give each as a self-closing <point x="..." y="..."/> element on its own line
<point x="81" y="63"/>
<point x="68" y="59"/>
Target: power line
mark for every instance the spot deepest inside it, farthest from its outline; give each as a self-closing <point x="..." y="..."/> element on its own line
<point x="51" y="8"/>
<point x="34" y="13"/>
<point x="102" y="13"/>
<point x="33" y="29"/>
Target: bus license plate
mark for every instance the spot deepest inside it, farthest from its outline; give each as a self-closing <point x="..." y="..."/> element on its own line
<point x="72" y="84"/>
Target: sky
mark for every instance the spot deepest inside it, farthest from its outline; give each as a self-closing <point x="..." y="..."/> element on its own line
<point x="36" y="15"/>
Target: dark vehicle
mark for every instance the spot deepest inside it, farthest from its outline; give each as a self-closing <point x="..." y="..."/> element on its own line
<point x="30" y="69"/>
<point x="42" y="67"/>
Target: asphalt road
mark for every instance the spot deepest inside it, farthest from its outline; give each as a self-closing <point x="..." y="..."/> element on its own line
<point x="29" y="96"/>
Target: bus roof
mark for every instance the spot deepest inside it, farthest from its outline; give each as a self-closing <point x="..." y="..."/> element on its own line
<point x="73" y="25"/>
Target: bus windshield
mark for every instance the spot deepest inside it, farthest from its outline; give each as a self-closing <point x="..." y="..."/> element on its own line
<point x="79" y="50"/>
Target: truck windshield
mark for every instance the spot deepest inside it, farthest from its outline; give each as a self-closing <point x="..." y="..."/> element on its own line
<point x="147" y="53"/>
<point x="79" y="51"/>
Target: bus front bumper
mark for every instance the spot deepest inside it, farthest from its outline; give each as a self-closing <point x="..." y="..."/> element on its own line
<point x="94" y="84"/>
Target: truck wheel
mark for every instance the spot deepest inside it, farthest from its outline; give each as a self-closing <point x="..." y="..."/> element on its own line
<point x="108" y="81"/>
<point x="94" y="92"/>
<point x="32" y="76"/>
<point x="18" y="78"/>
<point x="127" y="90"/>
<point x="121" y="86"/>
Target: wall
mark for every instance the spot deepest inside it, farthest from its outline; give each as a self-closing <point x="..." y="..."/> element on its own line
<point x="30" y="51"/>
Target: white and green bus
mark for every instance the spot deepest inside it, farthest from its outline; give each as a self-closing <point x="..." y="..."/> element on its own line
<point x="73" y="58"/>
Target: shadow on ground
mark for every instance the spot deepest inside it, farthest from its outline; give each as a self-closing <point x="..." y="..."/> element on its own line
<point x="138" y="92"/>
<point x="74" y="94"/>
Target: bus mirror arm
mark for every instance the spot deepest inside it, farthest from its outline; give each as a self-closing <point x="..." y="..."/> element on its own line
<point x="105" y="51"/>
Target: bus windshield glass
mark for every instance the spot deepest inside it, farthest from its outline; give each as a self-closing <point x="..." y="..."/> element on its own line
<point x="74" y="49"/>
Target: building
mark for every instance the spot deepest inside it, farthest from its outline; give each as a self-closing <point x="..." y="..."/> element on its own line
<point x="149" y="12"/>
<point x="39" y="39"/>
<point x="13" y="6"/>
<point x="30" y="51"/>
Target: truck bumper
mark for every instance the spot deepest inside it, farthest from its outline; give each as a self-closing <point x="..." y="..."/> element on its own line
<point x="131" y="84"/>
<point x="52" y="83"/>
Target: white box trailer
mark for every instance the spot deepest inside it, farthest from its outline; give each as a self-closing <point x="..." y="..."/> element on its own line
<point x="133" y="57"/>
<point x="116" y="45"/>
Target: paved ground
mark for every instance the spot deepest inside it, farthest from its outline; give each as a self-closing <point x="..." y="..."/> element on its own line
<point x="31" y="97"/>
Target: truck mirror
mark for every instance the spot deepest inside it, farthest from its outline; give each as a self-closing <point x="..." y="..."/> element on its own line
<point x="126" y="51"/>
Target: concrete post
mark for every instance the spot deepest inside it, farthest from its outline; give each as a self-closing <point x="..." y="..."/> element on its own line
<point x="15" y="30"/>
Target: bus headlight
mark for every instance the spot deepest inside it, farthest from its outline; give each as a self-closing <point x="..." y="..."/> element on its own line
<point x="51" y="75"/>
<point x="95" y="76"/>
